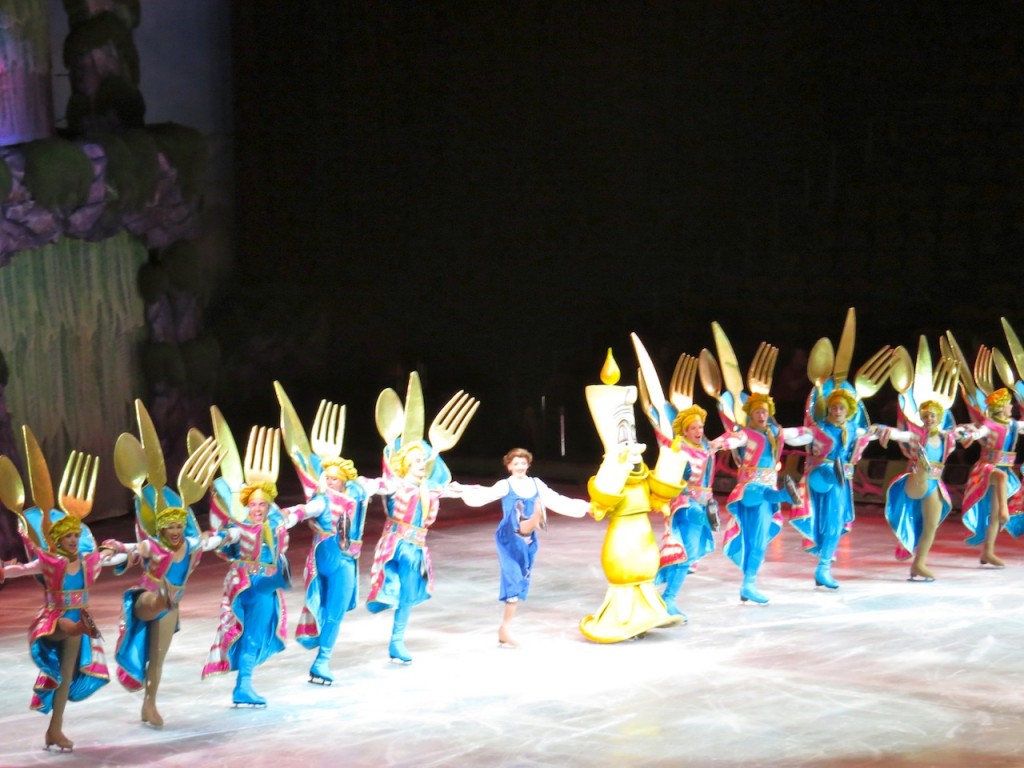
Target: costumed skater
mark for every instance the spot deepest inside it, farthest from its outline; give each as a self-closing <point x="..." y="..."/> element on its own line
<point x="690" y="527"/>
<point x="757" y="439"/>
<point x="401" y="576"/>
<point x="1013" y="379"/>
<point x="63" y="639"/>
<point x="992" y="482"/>
<point x="169" y="545"/>
<point x="624" y="491"/>
<point x="524" y="501"/>
<point x="836" y="418"/>
<point x="253" y="623"/>
<point x="336" y="500"/>
<point x="917" y="501"/>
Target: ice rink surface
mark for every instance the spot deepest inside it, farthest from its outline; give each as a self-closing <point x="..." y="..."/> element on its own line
<point x="883" y="672"/>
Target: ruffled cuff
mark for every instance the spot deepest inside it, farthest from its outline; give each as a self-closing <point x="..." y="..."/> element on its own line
<point x="662" y="492"/>
<point x="601" y="503"/>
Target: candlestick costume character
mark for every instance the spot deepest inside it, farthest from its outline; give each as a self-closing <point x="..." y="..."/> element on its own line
<point x="64" y="641"/>
<point x="336" y="501"/>
<point x="253" y="620"/>
<point x="169" y="545"/>
<point x="416" y="476"/>
<point x="524" y="501"/>
<point x="838" y="422"/>
<point x="757" y="439"/>
<point x="623" y="491"/>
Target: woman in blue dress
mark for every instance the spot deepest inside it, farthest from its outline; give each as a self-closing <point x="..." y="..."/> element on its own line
<point x="524" y="500"/>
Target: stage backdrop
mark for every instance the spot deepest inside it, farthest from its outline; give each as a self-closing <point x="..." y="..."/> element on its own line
<point x="71" y="320"/>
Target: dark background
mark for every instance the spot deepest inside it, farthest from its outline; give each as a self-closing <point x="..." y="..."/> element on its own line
<point x="496" y="193"/>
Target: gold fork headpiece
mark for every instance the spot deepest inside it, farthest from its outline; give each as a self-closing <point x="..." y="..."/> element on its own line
<point x="198" y="470"/>
<point x="680" y="389"/>
<point x="262" y="455"/>
<point x="228" y="462"/>
<point x="328" y="434"/>
<point x="762" y="368"/>
<point x="78" y="484"/>
<point x="451" y="421"/>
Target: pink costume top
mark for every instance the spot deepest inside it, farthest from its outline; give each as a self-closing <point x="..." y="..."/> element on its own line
<point x="762" y="450"/>
<point x="247" y="556"/>
<point x="343" y="508"/>
<point x="826" y="449"/>
<point x="345" y="511"/>
<point x="159" y="562"/>
<point x="998" y="440"/>
<point x="406" y="521"/>
<point x="700" y="474"/>
<point x="58" y="601"/>
<point x="758" y="466"/>
<point x="824" y="445"/>
<point x="916" y="437"/>
<point x="698" y="478"/>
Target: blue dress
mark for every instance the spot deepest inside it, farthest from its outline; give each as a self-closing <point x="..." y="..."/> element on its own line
<point x="516" y="552"/>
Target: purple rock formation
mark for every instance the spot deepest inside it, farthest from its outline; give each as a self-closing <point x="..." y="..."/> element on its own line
<point x="24" y="225"/>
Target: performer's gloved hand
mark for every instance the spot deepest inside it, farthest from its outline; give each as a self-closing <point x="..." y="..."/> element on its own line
<point x="114" y="546"/>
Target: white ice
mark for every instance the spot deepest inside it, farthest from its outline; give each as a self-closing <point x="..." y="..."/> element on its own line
<point x="882" y="672"/>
